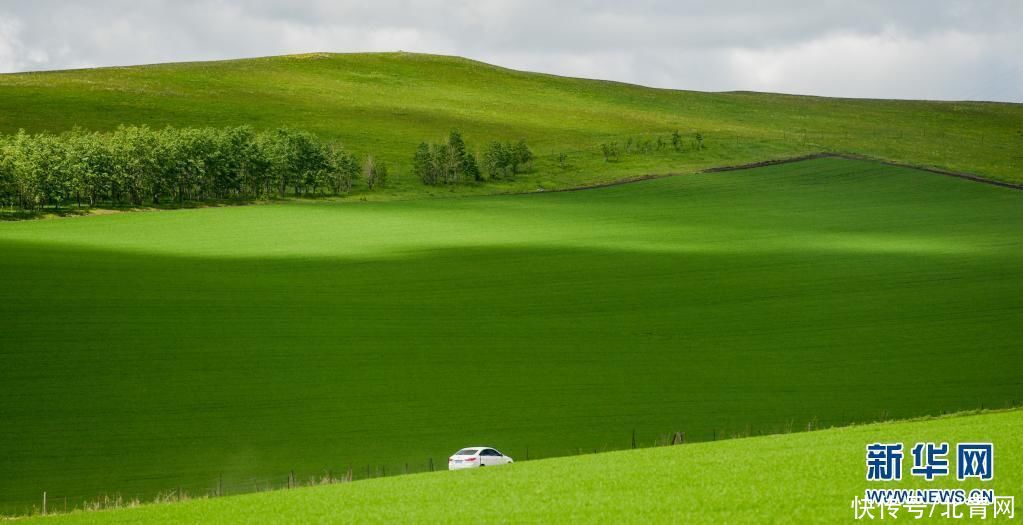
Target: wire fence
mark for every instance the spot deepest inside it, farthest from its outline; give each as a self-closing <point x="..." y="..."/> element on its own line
<point x="220" y="486"/>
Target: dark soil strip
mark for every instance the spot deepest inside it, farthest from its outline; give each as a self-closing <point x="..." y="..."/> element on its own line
<point x="855" y="156"/>
<point x="774" y="162"/>
<point x="763" y="163"/>
<point x="961" y="175"/>
<point x="618" y="182"/>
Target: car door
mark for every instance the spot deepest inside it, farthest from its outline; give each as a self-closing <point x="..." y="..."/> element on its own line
<point x="500" y="458"/>
<point x="489" y="457"/>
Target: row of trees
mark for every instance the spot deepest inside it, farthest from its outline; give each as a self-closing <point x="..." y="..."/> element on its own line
<point x="137" y="165"/>
<point x="452" y="162"/>
<point x="505" y="159"/>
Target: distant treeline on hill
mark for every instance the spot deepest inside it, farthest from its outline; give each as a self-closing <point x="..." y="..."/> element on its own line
<point x="453" y="163"/>
<point x="137" y="165"/>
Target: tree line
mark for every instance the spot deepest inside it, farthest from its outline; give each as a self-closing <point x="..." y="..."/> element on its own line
<point x="453" y="163"/>
<point x="138" y="165"/>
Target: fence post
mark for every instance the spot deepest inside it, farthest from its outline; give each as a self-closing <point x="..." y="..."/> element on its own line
<point x="633" y="438"/>
<point x="44" y="503"/>
<point x="431" y="464"/>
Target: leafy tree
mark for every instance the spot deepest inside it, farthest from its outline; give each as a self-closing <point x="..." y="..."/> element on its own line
<point x="470" y="169"/>
<point x="344" y="170"/>
<point x="423" y="165"/>
<point x="522" y="156"/>
<point x="50" y="168"/>
<point x="22" y="172"/>
<point x="453" y="163"/>
<point x="234" y="155"/>
<point x="79" y="150"/>
<point x="445" y="163"/>
<point x="89" y="165"/>
<point x="133" y="151"/>
<point x="136" y="165"/>
<point x="504" y="159"/>
<point x="610" y="151"/>
<point x="381" y="174"/>
<point x="456" y="149"/>
<point x="8" y="187"/>
<point x="496" y="160"/>
<point x="376" y="173"/>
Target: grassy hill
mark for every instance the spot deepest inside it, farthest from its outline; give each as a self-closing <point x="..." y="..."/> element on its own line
<point x="804" y="478"/>
<point x="387" y="103"/>
<point x="143" y="352"/>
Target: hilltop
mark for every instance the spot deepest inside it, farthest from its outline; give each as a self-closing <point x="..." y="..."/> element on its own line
<point x="386" y="103"/>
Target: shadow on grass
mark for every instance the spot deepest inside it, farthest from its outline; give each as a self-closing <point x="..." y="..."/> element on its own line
<point x="25" y="215"/>
<point x="9" y="215"/>
<point x="592" y="344"/>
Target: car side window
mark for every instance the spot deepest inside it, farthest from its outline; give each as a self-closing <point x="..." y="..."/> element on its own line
<point x="490" y="452"/>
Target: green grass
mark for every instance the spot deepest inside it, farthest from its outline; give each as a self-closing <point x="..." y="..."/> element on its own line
<point x="387" y="103"/>
<point x="795" y="478"/>
<point x="148" y="351"/>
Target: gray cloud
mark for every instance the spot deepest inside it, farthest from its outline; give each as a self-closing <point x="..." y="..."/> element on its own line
<point x="907" y="49"/>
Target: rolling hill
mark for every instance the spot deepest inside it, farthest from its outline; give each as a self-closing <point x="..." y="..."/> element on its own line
<point x="805" y="478"/>
<point x="147" y="352"/>
<point x="386" y="103"/>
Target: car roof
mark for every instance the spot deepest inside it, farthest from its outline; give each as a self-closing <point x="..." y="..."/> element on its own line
<point x="481" y="447"/>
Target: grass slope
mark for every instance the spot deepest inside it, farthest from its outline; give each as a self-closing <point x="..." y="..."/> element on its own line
<point x="386" y="103"/>
<point x="149" y="351"/>
<point x="795" y="478"/>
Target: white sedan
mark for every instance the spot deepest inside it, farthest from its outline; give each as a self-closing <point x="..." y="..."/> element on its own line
<point x="475" y="457"/>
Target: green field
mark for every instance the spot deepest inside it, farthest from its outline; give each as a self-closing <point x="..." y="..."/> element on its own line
<point x="386" y="103"/>
<point x="148" y="351"/>
<point x="799" y="478"/>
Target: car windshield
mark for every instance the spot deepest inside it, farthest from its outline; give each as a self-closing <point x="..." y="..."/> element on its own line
<point x="466" y="452"/>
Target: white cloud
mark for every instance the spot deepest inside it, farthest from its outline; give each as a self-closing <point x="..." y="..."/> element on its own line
<point x="10" y="44"/>
<point x="888" y="64"/>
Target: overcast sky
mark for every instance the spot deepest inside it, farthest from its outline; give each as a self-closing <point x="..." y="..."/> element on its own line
<point x="931" y="49"/>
